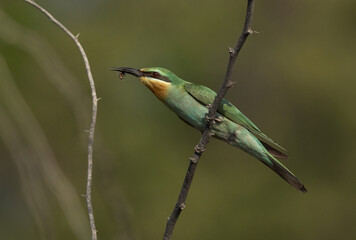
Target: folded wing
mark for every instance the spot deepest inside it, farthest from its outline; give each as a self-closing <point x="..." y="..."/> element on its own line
<point x="206" y="96"/>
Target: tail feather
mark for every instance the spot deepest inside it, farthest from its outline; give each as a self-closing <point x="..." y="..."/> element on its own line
<point x="287" y="175"/>
<point x="274" y="152"/>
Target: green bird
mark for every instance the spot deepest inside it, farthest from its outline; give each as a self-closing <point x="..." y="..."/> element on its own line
<point x="190" y="102"/>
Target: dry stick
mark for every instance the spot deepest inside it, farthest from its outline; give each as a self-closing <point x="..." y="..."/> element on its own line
<point x="199" y="149"/>
<point x="93" y="118"/>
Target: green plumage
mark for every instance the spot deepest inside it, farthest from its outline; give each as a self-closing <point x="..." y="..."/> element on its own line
<point x="190" y="101"/>
<point x="206" y="96"/>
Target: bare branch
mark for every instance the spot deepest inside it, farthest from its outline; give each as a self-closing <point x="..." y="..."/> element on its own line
<point x="94" y="113"/>
<point x="201" y="146"/>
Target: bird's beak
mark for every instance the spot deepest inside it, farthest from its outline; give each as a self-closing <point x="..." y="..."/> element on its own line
<point x="132" y="71"/>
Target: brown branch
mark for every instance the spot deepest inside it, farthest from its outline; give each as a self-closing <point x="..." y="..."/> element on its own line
<point x="200" y="147"/>
<point x="94" y="113"/>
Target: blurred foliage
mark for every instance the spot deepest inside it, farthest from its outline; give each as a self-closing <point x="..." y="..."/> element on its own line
<point x="295" y="80"/>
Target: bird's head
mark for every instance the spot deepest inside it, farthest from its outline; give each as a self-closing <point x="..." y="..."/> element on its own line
<point x="151" y="74"/>
<point x="157" y="79"/>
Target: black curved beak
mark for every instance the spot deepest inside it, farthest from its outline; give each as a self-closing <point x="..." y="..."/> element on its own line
<point x="132" y="71"/>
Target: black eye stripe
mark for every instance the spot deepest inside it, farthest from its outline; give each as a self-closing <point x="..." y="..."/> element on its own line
<point x="156" y="75"/>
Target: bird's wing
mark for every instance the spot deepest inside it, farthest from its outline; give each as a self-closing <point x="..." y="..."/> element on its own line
<point x="206" y="96"/>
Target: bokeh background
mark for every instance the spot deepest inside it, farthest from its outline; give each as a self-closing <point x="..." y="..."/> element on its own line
<point x="295" y="80"/>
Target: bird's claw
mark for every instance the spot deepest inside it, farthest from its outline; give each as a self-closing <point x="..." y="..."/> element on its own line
<point x="218" y="120"/>
<point x="212" y="121"/>
<point x="209" y="121"/>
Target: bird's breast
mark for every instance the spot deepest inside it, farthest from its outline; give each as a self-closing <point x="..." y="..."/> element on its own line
<point x="186" y="107"/>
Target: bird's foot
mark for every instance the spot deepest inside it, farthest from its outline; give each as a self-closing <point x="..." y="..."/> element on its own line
<point x="209" y="121"/>
<point x="218" y="120"/>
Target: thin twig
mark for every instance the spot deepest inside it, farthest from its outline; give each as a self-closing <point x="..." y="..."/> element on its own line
<point x="199" y="149"/>
<point x="94" y="114"/>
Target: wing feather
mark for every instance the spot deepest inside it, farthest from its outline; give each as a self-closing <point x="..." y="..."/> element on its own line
<point x="206" y="96"/>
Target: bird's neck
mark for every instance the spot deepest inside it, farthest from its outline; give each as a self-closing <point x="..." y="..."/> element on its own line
<point x="159" y="88"/>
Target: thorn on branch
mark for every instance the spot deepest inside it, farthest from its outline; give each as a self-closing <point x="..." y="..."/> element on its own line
<point x="193" y="160"/>
<point x="182" y="206"/>
<point x="231" y="50"/>
<point x="249" y="31"/>
<point x="77" y="36"/>
<point x="256" y="32"/>
<point x="198" y="149"/>
<point x="231" y="84"/>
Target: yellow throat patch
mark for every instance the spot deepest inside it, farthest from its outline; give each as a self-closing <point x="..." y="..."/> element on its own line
<point x="158" y="87"/>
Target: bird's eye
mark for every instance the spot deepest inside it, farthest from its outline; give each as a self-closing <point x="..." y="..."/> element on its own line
<point x="155" y="74"/>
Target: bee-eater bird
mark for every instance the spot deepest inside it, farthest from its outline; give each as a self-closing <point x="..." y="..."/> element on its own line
<point x="190" y="102"/>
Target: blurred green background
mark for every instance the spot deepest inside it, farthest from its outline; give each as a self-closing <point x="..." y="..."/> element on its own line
<point x="295" y="80"/>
